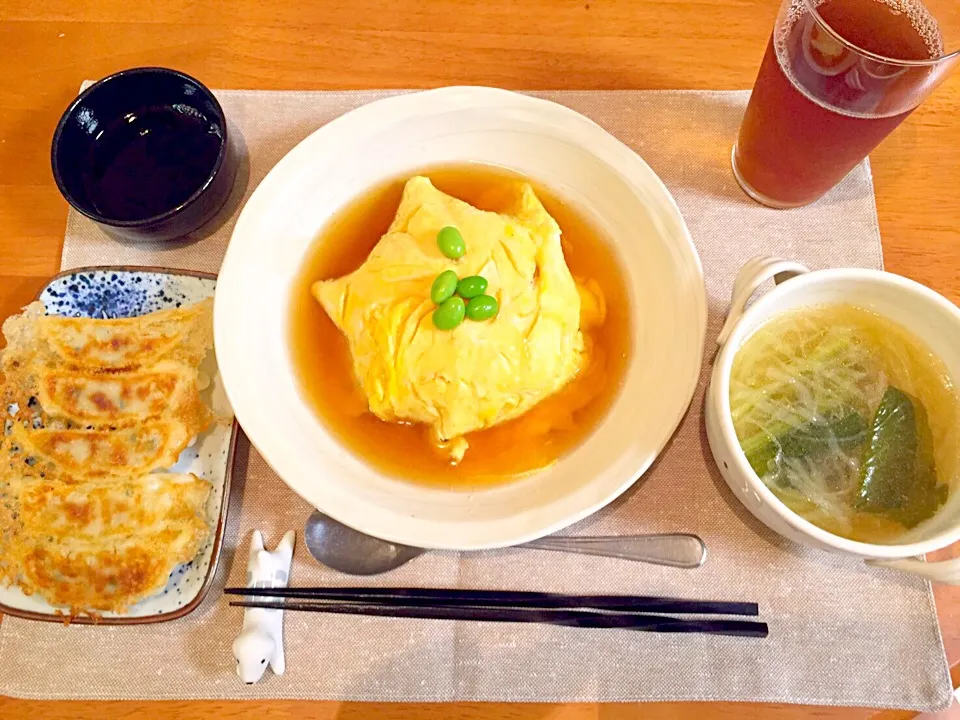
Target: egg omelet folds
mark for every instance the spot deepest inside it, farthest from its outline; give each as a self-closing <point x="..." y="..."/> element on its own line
<point x="480" y="373"/>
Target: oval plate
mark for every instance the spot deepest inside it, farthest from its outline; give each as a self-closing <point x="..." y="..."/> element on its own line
<point x="398" y="136"/>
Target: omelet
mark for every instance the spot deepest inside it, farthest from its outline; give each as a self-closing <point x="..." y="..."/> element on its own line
<point x="479" y="374"/>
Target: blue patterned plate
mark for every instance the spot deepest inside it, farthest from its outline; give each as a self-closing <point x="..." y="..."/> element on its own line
<point x="112" y="292"/>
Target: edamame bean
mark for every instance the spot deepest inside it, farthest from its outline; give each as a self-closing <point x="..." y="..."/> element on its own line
<point x="451" y="243"/>
<point x="472" y="286"/>
<point x="449" y="314"/>
<point x="482" y="307"/>
<point x="443" y="287"/>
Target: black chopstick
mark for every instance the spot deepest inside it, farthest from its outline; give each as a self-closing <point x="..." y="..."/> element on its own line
<point x="424" y="597"/>
<point x="571" y="618"/>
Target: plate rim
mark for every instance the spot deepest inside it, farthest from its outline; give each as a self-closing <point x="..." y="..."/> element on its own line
<point x="60" y="617"/>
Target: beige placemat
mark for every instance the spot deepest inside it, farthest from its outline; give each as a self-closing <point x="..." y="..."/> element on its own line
<point x="840" y="633"/>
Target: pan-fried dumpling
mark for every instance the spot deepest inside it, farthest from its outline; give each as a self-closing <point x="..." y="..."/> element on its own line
<point x="101" y="544"/>
<point x="115" y="399"/>
<point x="106" y="574"/>
<point x="183" y="334"/>
<point x="91" y="453"/>
<point x="92" y="408"/>
<point x="144" y="505"/>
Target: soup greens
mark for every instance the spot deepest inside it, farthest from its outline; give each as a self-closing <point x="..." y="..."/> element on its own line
<point x="848" y="419"/>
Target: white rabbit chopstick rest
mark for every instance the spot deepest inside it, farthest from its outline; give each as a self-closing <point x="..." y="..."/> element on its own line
<point x="260" y="641"/>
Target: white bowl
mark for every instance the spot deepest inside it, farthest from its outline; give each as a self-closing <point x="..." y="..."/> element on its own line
<point x="396" y="137"/>
<point x="933" y="318"/>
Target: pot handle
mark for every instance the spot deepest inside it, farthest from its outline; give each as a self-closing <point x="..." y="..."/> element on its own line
<point x="945" y="571"/>
<point x="751" y="276"/>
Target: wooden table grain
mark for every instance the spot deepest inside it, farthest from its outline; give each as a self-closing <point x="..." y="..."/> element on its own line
<point x="50" y="46"/>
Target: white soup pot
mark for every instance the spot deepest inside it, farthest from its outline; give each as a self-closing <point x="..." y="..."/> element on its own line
<point x="931" y="317"/>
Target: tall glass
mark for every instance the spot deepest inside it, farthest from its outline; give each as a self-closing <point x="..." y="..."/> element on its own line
<point x="837" y="78"/>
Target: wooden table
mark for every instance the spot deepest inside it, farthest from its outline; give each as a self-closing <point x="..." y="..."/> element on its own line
<point x="49" y="46"/>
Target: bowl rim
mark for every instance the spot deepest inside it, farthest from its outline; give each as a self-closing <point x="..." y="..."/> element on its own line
<point x="753" y="317"/>
<point x="166" y="214"/>
<point x="517" y="528"/>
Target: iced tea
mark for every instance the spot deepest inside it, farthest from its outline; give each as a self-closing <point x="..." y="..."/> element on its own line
<point x="838" y="76"/>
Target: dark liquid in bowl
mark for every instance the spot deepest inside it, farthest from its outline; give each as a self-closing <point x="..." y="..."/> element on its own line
<point x="151" y="161"/>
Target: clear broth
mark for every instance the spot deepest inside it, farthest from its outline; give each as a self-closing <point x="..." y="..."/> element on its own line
<point x="534" y="441"/>
<point x="764" y="377"/>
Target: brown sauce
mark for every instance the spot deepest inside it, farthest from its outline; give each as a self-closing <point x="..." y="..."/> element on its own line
<point x="504" y="452"/>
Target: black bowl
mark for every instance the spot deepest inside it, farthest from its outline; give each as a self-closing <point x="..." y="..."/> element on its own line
<point x="145" y="153"/>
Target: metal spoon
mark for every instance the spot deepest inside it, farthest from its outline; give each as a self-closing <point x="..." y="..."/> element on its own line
<point x="354" y="553"/>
